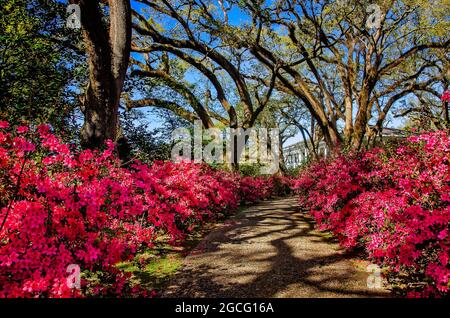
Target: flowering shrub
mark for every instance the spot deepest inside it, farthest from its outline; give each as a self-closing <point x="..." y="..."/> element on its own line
<point x="60" y="207"/>
<point x="446" y="97"/>
<point x="252" y="189"/>
<point x="392" y="204"/>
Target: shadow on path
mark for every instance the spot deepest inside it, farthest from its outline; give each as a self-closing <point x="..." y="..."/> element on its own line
<point x="270" y="250"/>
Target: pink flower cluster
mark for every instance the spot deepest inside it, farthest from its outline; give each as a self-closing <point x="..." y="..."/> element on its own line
<point x="253" y="189"/>
<point x="446" y="97"/>
<point x="59" y="206"/>
<point x="393" y="204"/>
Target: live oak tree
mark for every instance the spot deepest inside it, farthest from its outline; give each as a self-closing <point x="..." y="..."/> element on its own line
<point x="170" y="35"/>
<point x="178" y="31"/>
<point x="377" y="59"/>
<point x="108" y="47"/>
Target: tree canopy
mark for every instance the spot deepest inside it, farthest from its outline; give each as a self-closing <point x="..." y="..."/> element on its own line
<point x="348" y="67"/>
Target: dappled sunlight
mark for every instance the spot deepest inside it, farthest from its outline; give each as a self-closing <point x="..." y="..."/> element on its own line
<point x="279" y="255"/>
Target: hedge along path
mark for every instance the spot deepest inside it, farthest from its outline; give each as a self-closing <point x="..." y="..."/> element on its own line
<point x="270" y="250"/>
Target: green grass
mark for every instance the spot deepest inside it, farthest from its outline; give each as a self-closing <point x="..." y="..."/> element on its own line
<point x="164" y="267"/>
<point x="153" y="268"/>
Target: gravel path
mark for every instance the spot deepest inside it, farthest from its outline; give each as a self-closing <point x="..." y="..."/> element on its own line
<point x="269" y="250"/>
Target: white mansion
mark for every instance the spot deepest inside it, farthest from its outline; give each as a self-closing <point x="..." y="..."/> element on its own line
<point x="298" y="153"/>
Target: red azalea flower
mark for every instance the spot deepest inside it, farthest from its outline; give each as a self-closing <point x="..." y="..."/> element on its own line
<point x="446" y="96"/>
<point x="22" y="129"/>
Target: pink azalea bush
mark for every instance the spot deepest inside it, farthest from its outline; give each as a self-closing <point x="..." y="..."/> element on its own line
<point x="446" y="97"/>
<point x="393" y="205"/>
<point x="253" y="189"/>
<point x="60" y="206"/>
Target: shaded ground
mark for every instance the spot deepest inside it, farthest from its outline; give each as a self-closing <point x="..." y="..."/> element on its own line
<point x="269" y="250"/>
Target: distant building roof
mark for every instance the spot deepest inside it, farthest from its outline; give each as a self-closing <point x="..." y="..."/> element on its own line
<point x="393" y="132"/>
<point x="301" y="144"/>
<point x="386" y="132"/>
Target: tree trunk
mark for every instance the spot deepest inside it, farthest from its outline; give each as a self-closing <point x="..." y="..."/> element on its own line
<point x="446" y="116"/>
<point x="348" y="130"/>
<point x="312" y="151"/>
<point x="445" y="106"/>
<point x="359" y="131"/>
<point x="359" y="128"/>
<point x="108" y="53"/>
<point x="282" y="170"/>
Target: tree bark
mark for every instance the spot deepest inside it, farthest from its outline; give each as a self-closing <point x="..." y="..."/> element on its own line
<point x="108" y="57"/>
<point x="445" y="104"/>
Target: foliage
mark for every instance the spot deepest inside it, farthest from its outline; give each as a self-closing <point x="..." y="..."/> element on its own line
<point x="252" y="170"/>
<point x="37" y="70"/>
<point x="60" y="206"/>
<point x="147" y="144"/>
<point x="393" y="205"/>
